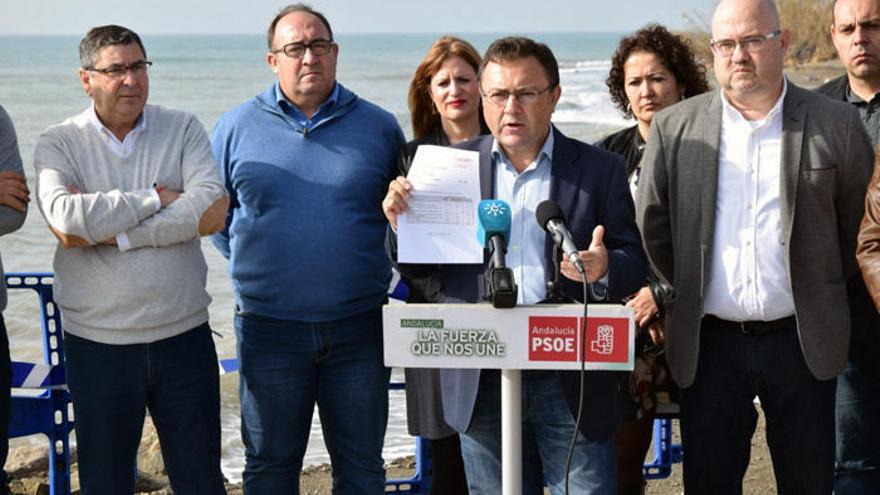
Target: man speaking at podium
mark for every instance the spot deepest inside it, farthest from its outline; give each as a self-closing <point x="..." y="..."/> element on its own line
<point x="523" y="162"/>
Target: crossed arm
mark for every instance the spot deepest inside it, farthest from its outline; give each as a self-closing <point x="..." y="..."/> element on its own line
<point x="14" y="193"/>
<point x="145" y="217"/>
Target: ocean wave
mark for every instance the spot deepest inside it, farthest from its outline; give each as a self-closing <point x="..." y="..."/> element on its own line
<point x="587" y="107"/>
<point x="585" y="66"/>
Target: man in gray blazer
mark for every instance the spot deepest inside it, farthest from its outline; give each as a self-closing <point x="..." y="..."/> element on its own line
<point x="750" y="203"/>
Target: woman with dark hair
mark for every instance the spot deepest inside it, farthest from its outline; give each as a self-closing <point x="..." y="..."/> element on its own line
<point x="652" y="69"/>
<point x="444" y="102"/>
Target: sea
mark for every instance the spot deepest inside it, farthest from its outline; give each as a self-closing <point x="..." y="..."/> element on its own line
<point x="210" y="74"/>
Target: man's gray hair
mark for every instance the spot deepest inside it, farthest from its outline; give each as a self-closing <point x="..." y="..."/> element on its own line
<point x="103" y="36"/>
<point x="296" y="7"/>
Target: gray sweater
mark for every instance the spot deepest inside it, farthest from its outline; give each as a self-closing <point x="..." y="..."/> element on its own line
<point x="10" y="159"/>
<point x="155" y="289"/>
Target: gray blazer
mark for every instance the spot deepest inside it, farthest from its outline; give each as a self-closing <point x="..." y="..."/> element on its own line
<point x="826" y="167"/>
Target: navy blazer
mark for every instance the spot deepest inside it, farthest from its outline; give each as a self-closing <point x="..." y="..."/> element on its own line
<point x="590" y="186"/>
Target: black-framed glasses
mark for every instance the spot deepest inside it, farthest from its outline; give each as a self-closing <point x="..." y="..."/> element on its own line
<point x="118" y="71"/>
<point x="523" y="97"/>
<point x="751" y="44"/>
<point x="298" y="49"/>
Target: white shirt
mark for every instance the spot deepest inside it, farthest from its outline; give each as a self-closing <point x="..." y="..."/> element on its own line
<point x="120" y="148"/>
<point x="748" y="278"/>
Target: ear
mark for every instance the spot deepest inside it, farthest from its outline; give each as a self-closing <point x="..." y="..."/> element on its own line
<point x="86" y="80"/>
<point x="554" y="96"/>
<point x="785" y="40"/>
<point x="272" y="60"/>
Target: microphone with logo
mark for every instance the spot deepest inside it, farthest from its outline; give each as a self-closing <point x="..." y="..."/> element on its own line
<point x="494" y="233"/>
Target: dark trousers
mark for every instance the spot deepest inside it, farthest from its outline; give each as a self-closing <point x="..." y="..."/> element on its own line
<point x="112" y="385"/>
<point x="447" y="467"/>
<point x="718" y="415"/>
<point x="5" y="386"/>
<point x="858" y="430"/>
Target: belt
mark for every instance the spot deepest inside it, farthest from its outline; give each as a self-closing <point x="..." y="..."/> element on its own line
<point x="753" y="328"/>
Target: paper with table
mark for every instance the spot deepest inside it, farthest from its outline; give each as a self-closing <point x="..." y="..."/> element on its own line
<point x="440" y="224"/>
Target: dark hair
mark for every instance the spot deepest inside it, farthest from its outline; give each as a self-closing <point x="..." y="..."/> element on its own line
<point x="103" y="36"/>
<point x="424" y="119"/>
<point x="515" y="48"/>
<point x="296" y="7"/>
<point x="674" y="53"/>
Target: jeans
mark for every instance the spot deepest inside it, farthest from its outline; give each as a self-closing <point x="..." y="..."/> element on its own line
<point x="858" y="432"/>
<point x="177" y="380"/>
<point x="718" y="416"/>
<point x="285" y="368"/>
<point x="547" y="431"/>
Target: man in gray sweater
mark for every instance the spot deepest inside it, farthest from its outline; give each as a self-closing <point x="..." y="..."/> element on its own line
<point x="128" y="189"/>
<point x="14" y="197"/>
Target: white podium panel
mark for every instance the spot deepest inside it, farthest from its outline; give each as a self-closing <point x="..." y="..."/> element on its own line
<point x="526" y="337"/>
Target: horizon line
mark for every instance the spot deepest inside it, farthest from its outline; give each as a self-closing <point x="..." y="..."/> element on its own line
<point x="341" y="33"/>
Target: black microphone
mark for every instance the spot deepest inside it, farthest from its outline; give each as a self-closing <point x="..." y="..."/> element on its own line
<point x="551" y="219"/>
<point x="493" y="233"/>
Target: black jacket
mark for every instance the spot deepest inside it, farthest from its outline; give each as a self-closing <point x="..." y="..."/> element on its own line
<point x="865" y="338"/>
<point x="835" y="88"/>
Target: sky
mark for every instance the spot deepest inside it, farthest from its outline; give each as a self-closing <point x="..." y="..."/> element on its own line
<point x="18" y="17"/>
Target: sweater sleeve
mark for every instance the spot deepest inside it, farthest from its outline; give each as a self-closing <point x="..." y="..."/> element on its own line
<point x="82" y="219"/>
<point x="220" y="144"/>
<point x="10" y="160"/>
<point x="200" y="209"/>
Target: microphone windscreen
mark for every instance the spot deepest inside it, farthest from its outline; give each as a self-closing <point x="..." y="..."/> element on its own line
<point x="548" y="210"/>
<point x="494" y="218"/>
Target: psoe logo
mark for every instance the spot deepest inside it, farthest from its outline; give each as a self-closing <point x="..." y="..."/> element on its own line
<point x="553" y="338"/>
<point x="604" y="342"/>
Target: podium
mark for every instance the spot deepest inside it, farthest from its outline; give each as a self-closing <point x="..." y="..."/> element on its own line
<point x="536" y="337"/>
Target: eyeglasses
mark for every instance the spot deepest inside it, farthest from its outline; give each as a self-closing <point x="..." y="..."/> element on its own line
<point x="751" y="44"/>
<point x="118" y="71"/>
<point x="298" y="48"/>
<point x="500" y="97"/>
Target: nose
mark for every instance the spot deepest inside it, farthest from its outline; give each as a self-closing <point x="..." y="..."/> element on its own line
<point x="309" y="56"/>
<point x="511" y="105"/>
<point x="454" y="88"/>
<point x="859" y="35"/>
<point x="740" y="54"/>
<point x="645" y="88"/>
<point x="129" y="77"/>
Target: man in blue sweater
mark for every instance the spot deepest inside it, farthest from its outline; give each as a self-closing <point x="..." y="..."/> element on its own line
<point x="306" y="164"/>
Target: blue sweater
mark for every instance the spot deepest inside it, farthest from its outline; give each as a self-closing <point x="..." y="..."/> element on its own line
<point x="305" y="230"/>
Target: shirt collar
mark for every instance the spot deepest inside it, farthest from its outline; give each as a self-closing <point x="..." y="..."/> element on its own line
<point x="286" y="104"/>
<point x="855" y="99"/>
<point x="730" y="113"/>
<point x="545" y="154"/>
<point x="139" y="126"/>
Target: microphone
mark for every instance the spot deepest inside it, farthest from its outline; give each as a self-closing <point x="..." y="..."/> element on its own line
<point x="493" y="232"/>
<point x="551" y="219"/>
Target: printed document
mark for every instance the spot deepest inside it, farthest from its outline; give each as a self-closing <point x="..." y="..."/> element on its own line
<point x="440" y="224"/>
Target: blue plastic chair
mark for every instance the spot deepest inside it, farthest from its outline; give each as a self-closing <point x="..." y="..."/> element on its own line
<point x="50" y="412"/>
<point x="420" y="482"/>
